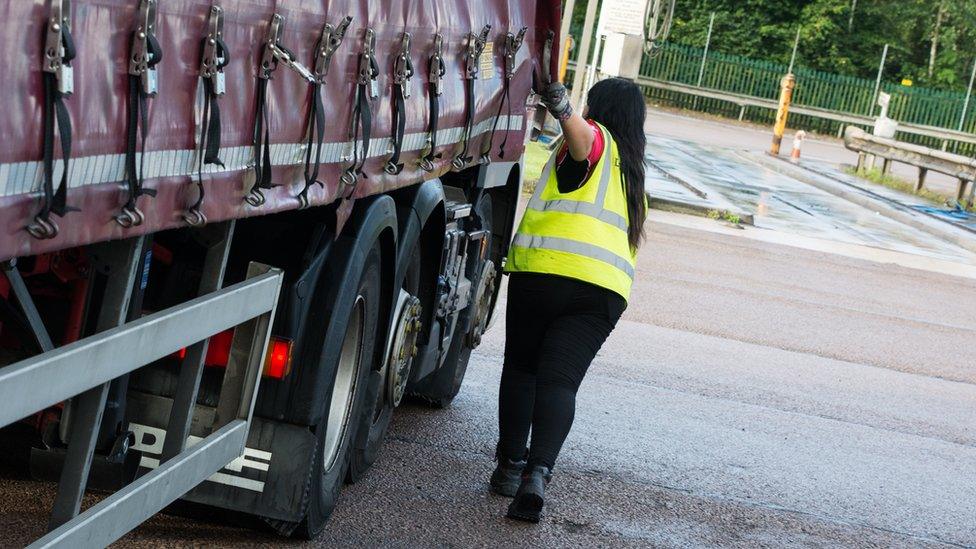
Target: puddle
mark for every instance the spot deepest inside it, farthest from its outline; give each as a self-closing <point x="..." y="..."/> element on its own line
<point x="779" y="202"/>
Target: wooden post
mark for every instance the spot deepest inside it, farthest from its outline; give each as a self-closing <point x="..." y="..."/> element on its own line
<point x="922" y="172"/>
<point x="742" y="112"/>
<point x="785" y="97"/>
<point x="860" y="162"/>
<point x="972" y="192"/>
<point x="886" y="166"/>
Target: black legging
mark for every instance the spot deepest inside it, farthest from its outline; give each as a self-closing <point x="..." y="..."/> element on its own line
<point x="555" y="326"/>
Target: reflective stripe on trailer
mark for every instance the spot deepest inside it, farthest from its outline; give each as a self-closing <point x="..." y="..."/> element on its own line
<point x="18" y="178"/>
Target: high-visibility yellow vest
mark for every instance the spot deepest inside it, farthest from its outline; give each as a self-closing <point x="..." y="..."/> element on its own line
<point x="580" y="234"/>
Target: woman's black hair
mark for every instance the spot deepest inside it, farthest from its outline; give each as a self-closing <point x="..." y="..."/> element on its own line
<point x="618" y="105"/>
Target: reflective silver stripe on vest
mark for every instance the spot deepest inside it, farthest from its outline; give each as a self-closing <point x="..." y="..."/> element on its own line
<point x="585" y="208"/>
<point x="596" y="209"/>
<point x="574" y="247"/>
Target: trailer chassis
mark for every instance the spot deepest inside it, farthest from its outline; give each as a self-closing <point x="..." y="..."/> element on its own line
<point x="83" y="372"/>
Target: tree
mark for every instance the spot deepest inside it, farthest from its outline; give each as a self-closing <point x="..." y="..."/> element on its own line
<point x="933" y="51"/>
<point x="931" y="42"/>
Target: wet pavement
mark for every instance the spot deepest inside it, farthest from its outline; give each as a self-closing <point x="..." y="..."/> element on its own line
<point x="776" y="201"/>
<point x="723" y="132"/>
<point x="950" y="215"/>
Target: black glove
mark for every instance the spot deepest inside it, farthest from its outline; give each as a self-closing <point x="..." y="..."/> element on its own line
<point x="556" y="99"/>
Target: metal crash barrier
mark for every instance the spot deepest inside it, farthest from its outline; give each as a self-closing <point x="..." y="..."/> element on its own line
<point x="925" y="159"/>
<point x="82" y="371"/>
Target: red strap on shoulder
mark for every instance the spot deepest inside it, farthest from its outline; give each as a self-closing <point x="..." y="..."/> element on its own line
<point x="596" y="150"/>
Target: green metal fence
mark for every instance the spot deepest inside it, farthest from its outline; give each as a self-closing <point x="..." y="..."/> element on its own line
<point x="742" y="75"/>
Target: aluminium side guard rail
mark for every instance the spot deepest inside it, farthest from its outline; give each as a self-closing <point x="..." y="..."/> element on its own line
<point x="44" y="380"/>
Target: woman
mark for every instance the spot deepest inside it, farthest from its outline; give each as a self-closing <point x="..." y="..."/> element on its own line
<point x="571" y="264"/>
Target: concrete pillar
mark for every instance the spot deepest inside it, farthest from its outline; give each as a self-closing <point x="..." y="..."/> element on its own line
<point x="962" y="190"/>
<point x="922" y="172"/>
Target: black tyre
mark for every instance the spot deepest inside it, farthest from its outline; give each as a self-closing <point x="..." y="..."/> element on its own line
<point x="439" y="388"/>
<point x="336" y="431"/>
<point x="378" y="408"/>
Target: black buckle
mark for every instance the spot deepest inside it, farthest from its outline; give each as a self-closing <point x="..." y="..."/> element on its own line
<point x="367" y="73"/>
<point x="56" y="60"/>
<point x="275" y="53"/>
<point x="437" y="68"/>
<point x="213" y="61"/>
<point x="328" y="44"/>
<point x="513" y="42"/>
<point x="403" y="66"/>
<point x="476" y="46"/>
<point x="142" y="58"/>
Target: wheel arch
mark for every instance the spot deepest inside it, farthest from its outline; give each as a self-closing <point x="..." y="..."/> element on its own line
<point x="373" y="220"/>
<point x="423" y="220"/>
<point x="505" y="199"/>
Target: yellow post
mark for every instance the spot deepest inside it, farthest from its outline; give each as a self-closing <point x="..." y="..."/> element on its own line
<point x="564" y="58"/>
<point x="785" y="97"/>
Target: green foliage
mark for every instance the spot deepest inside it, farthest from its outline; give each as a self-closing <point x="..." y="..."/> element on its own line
<point x="836" y="92"/>
<point x="765" y="29"/>
<point x="724" y="216"/>
<point x="876" y="175"/>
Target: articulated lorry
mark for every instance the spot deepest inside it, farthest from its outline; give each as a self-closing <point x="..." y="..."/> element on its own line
<point x="235" y="234"/>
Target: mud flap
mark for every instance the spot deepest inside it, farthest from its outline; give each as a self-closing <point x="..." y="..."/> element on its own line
<point x="270" y="480"/>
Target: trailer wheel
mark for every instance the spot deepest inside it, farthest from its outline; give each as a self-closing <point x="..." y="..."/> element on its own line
<point x="337" y="429"/>
<point x="439" y="388"/>
<point x="379" y="402"/>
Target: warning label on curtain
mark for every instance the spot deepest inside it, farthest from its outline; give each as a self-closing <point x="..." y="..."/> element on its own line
<point x="487" y="62"/>
<point x="625" y="16"/>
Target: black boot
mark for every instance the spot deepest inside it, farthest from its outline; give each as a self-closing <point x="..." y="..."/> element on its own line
<point x="531" y="494"/>
<point x="507" y="476"/>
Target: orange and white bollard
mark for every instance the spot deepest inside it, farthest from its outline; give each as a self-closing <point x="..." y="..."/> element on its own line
<point x="797" y="144"/>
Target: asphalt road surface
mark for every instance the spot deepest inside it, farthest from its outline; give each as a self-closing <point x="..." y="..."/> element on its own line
<point x="755" y="394"/>
<point x="765" y="388"/>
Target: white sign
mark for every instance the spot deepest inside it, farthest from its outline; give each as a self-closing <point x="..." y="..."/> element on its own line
<point x="623" y="16"/>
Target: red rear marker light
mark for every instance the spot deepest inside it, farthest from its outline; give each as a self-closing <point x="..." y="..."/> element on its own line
<point x="277" y="363"/>
<point x="218" y="351"/>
